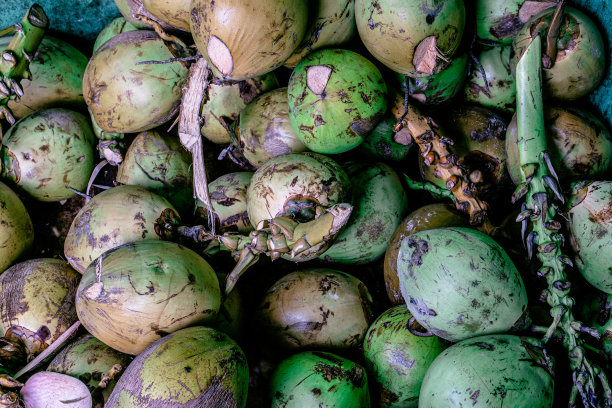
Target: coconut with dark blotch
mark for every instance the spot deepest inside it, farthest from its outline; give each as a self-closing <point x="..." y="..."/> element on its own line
<point x="439" y="88"/>
<point x="412" y="37"/>
<point x="264" y="129"/>
<point x="16" y="229"/>
<point x="501" y="93"/>
<point x="117" y="26"/>
<point x="314" y="308"/>
<point x="373" y="221"/>
<point x="590" y="227"/>
<point x="331" y="23"/>
<point x="112" y="218"/>
<point x="294" y="185"/>
<point x="57" y="78"/>
<point x="125" y="97"/>
<point x="579" y="144"/>
<point x="244" y="39"/>
<point x="47" y="152"/>
<point x="172" y="12"/>
<point x="88" y="359"/>
<point x="134" y="294"/>
<point x="381" y="144"/>
<point x="336" y="98"/>
<point x="228" y="199"/>
<point x="37" y="302"/>
<point x="481" y="288"/>
<point x="398" y="352"/>
<point x="319" y="379"/>
<point x="157" y="161"/>
<point x="207" y="368"/>
<point x="430" y="216"/>
<point x="490" y="371"/>
<point x="580" y="61"/>
<point x="225" y="100"/>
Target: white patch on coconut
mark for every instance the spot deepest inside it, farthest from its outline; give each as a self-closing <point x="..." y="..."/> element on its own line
<point x="94" y="290"/>
<point x="426" y="55"/>
<point x="531" y="8"/>
<point x="220" y="55"/>
<point x="317" y="77"/>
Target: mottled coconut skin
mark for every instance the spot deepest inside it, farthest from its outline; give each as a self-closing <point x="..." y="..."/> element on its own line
<point x="16" y="229"/>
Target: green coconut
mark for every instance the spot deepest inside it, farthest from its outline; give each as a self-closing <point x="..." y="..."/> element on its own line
<point x="314" y="308"/>
<point x="579" y="144"/>
<point x="373" y="221"/>
<point x="132" y="10"/>
<point x="430" y="216"/>
<point x="157" y="161"/>
<point x="294" y="184"/>
<point x="244" y="39"/>
<point x="490" y="371"/>
<point x="381" y="144"/>
<point x="16" y="229"/>
<point x="225" y="100"/>
<point x="57" y="78"/>
<point x="501" y="92"/>
<point x="336" y="98"/>
<point x="228" y="198"/>
<point x="398" y="352"/>
<point x="125" y="97"/>
<point x="88" y="359"/>
<point x="264" y="129"/>
<point x="117" y="26"/>
<point x="172" y="12"/>
<point x="317" y="379"/>
<point x="134" y="294"/>
<point x="439" y="88"/>
<point x="412" y="37"/>
<point x="459" y="283"/>
<point x="231" y="318"/>
<point x="47" y="152"/>
<point x="206" y="368"/>
<point x="112" y="218"/>
<point x="590" y="227"/>
<point x="331" y="23"/>
<point x="37" y="302"/>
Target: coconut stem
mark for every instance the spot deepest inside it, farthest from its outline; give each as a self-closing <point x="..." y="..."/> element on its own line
<point x="15" y="59"/>
<point x="540" y="188"/>
<point x="430" y="187"/>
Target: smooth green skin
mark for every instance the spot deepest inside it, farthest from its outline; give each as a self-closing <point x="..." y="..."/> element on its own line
<point x="590" y="226"/>
<point x="316" y="308"/>
<point x="397" y="359"/>
<point x="392" y="29"/>
<point x="331" y="23"/>
<point x="48" y="151"/>
<point x="129" y="98"/>
<point x="157" y="161"/>
<point x="16" y="229"/>
<point x="502" y="88"/>
<point x="88" y="359"/>
<point x="373" y="221"/>
<point x="57" y="78"/>
<point x="112" y="218"/>
<point x="439" y="88"/>
<point x="36" y="293"/>
<point x="489" y="371"/>
<point x="225" y="99"/>
<point x="265" y="130"/>
<point x="577" y="72"/>
<point x="319" y="380"/>
<point x="190" y="368"/>
<point x="429" y="216"/>
<point x="379" y="145"/>
<point x="459" y="283"/>
<point x="302" y="176"/>
<point x="117" y="26"/>
<point x="352" y="103"/>
<point x="228" y="199"/>
<point x="145" y="290"/>
<point x="579" y="144"/>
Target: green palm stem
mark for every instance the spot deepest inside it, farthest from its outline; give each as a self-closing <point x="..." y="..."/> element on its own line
<point x="540" y="187"/>
<point x="15" y="60"/>
<point x="430" y="187"/>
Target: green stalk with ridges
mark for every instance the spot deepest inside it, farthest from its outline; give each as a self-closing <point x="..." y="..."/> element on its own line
<point x="540" y="186"/>
<point x="15" y="60"/>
